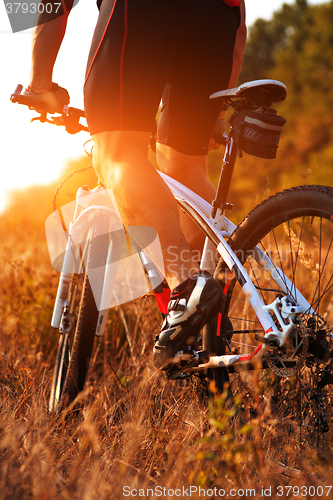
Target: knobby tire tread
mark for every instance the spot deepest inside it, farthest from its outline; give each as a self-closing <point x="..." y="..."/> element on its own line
<point x="303" y="201"/>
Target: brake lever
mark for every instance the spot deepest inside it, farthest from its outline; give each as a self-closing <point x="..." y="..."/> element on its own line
<point x="69" y="117"/>
<point x="41" y="118"/>
<point x="70" y="122"/>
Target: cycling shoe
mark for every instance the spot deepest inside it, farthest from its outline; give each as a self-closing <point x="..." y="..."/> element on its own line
<point x="189" y="309"/>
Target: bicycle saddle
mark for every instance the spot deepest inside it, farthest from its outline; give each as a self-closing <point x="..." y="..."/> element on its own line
<point x="257" y="90"/>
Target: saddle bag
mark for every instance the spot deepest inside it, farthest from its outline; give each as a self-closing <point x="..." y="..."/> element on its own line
<point x="257" y="132"/>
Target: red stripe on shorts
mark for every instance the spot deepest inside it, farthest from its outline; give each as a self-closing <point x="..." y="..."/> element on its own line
<point x="100" y="43"/>
<point x="122" y="65"/>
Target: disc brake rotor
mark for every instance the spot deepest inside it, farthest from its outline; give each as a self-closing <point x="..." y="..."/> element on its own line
<point x="286" y="361"/>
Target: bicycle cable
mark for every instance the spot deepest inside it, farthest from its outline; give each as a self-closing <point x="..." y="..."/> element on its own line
<point x="54" y="199"/>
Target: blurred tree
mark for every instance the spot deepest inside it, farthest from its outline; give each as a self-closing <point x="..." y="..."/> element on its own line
<point x="269" y="37"/>
<point x="295" y="47"/>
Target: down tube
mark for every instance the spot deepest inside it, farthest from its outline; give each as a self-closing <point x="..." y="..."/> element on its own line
<point x="234" y="265"/>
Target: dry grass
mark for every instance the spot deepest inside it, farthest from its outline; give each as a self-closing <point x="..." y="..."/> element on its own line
<point x="135" y="429"/>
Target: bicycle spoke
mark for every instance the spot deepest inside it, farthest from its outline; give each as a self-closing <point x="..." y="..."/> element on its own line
<point x="291" y="254"/>
<point x="327" y="289"/>
<point x="317" y="289"/>
<point x="289" y="390"/>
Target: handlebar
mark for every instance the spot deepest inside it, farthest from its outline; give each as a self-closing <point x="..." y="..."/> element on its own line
<point x="69" y="117"/>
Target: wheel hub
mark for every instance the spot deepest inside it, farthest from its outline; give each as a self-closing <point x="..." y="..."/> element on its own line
<point x="285" y="361"/>
<point x="320" y="340"/>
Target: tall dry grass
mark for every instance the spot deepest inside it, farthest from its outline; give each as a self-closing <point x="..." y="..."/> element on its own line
<point x="135" y="429"/>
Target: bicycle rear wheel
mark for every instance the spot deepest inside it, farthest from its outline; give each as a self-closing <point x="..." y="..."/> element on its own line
<point x="75" y="347"/>
<point x="292" y="392"/>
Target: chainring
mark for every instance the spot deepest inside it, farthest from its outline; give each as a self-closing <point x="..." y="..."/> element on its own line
<point x="286" y="361"/>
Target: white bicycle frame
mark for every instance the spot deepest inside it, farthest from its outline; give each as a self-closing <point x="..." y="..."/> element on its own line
<point x="217" y="231"/>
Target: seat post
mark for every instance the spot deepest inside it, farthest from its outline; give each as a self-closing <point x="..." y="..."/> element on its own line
<point x="227" y="170"/>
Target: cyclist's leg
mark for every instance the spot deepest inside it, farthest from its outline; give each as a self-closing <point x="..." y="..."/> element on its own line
<point x="127" y="71"/>
<point x="202" y="63"/>
<point x="192" y="172"/>
<point x="124" y="86"/>
<point x="142" y="197"/>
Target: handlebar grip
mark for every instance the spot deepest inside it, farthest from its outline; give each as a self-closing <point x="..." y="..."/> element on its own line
<point x="18" y="98"/>
<point x="69" y="116"/>
<point x="18" y="90"/>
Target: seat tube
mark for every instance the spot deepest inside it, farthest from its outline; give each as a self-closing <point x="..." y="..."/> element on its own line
<point x="225" y="177"/>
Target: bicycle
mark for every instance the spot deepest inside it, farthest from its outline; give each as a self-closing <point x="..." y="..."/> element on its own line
<point x="271" y="342"/>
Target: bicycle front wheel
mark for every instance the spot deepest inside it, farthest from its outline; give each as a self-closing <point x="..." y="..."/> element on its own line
<point x="75" y="348"/>
<point x="292" y="391"/>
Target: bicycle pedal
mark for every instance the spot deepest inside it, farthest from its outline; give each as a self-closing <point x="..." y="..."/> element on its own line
<point x="179" y="372"/>
<point x="190" y="359"/>
<point x="183" y="358"/>
<point x="176" y="375"/>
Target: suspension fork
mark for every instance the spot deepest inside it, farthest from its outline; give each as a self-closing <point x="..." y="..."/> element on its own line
<point x="67" y="281"/>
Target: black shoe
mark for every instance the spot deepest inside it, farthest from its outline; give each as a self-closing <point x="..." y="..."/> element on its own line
<point x="190" y="306"/>
<point x="218" y="334"/>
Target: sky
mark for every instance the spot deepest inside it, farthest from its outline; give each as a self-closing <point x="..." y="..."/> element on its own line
<point x="35" y="153"/>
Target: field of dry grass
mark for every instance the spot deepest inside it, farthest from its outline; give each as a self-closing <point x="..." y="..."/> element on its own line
<point x="137" y="433"/>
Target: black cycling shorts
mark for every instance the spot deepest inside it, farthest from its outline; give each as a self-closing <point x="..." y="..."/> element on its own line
<point x="145" y="49"/>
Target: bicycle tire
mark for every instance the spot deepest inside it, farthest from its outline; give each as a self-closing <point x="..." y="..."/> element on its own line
<point x="295" y="227"/>
<point x="75" y="350"/>
<point x="59" y="372"/>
